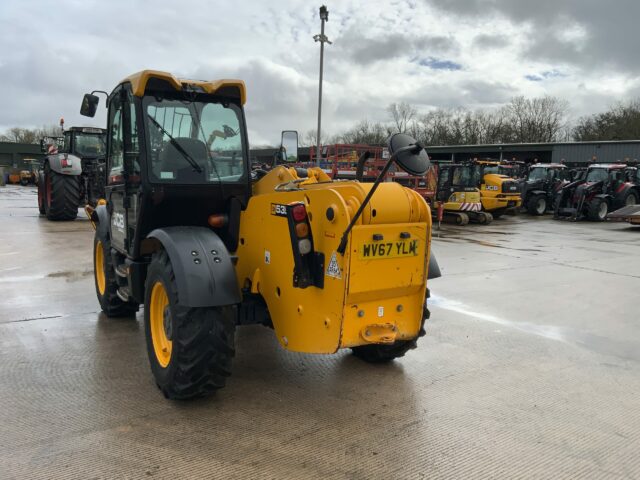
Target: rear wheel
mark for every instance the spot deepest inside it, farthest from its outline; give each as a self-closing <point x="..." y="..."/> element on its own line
<point x="190" y="349"/>
<point x="106" y="282"/>
<point x="598" y="209"/>
<point x="62" y="195"/>
<point x="537" y="205"/>
<point x="631" y="199"/>
<point x="41" y="195"/>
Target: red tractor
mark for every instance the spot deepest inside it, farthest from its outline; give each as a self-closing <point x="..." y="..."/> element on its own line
<point x="604" y="188"/>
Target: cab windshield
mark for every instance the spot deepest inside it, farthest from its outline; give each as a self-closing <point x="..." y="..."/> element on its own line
<point x="491" y="169"/>
<point x="466" y="176"/>
<point x="193" y="141"/>
<point x="597" y="175"/>
<point x="90" y="144"/>
<point x="537" y="173"/>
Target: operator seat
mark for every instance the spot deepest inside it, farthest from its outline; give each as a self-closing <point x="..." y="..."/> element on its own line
<point x="172" y="160"/>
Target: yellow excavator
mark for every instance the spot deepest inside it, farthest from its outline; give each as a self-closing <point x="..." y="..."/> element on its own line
<point x="207" y="243"/>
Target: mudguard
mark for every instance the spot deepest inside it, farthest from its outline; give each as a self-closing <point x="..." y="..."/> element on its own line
<point x="205" y="275"/>
<point x="536" y="192"/>
<point x="434" y="268"/>
<point x="102" y="223"/>
<point x="65" y="164"/>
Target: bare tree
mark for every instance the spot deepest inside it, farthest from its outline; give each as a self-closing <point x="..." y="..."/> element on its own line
<point x="402" y="114"/>
<point x="29" y="135"/>
<point x="620" y="122"/>
<point x="535" y="119"/>
<point x="367" y="133"/>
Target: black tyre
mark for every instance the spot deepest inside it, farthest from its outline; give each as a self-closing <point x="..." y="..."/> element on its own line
<point x="385" y="353"/>
<point x="104" y="276"/>
<point x="190" y="349"/>
<point x="537" y="205"/>
<point x="497" y="213"/>
<point x="24" y="182"/>
<point x="41" y="196"/>
<point x="598" y="209"/>
<point x="62" y="195"/>
<point x="631" y="198"/>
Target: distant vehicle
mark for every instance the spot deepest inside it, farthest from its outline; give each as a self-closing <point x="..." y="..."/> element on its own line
<point x="73" y="172"/>
<point x="541" y="186"/>
<point x="605" y="187"/>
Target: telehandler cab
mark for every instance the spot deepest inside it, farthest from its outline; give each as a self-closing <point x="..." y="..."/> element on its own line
<point x="206" y="244"/>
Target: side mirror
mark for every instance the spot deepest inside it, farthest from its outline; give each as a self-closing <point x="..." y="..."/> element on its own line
<point x="289" y="146"/>
<point x="414" y="161"/>
<point x="89" y="105"/>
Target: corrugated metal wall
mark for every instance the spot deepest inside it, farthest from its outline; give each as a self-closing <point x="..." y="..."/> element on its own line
<point x="601" y="153"/>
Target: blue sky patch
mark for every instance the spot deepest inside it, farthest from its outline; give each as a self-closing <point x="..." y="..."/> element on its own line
<point x="438" y="64"/>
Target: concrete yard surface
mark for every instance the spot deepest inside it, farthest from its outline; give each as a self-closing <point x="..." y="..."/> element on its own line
<point x="530" y="369"/>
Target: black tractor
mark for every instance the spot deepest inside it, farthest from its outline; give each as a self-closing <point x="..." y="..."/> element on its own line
<point x="604" y="188"/>
<point x="542" y="184"/>
<point x="73" y="172"/>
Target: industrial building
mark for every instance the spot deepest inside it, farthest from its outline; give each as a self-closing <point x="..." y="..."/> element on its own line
<point x="570" y="153"/>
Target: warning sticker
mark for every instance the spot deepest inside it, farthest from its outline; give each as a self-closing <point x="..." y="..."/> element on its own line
<point x="267" y="257"/>
<point x="333" y="270"/>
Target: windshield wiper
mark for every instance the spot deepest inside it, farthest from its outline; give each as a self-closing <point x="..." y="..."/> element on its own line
<point x="173" y="141"/>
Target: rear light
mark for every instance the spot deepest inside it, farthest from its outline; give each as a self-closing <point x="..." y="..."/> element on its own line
<point x="308" y="266"/>
<point x="217" y="220"/>
<point x="299" y="213"/>
<point x="304" y="246"/>
<point x="302" y="230"/>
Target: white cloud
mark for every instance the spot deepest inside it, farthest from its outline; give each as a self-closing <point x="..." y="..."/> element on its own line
<point x="383" y="52"/>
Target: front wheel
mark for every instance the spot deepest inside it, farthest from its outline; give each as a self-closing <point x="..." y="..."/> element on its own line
<point x="598" y="210"/>
<point x="630" y="199"/>
<point x="41" y="195"/>
<point x="190" y="349"/>
<point x="537" y="205"/>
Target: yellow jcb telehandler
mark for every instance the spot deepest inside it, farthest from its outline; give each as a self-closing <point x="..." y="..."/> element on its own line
<point x="206" y="244"/>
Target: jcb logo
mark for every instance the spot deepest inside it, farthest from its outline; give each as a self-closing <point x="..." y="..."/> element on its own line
<point x="278" y="210"/>
<point x="117" y="221"/>
<point x="492" y="187"/>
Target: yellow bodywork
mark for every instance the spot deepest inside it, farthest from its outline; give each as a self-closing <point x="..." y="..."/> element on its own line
<point x="461" y="201"/>
<point x="492" y="196"/>
<point x="364" y="300"/>
<point x="139" y="83"/>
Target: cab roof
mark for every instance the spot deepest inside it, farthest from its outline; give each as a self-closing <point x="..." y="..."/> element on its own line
<point x="225" y="87"/>
<point x="608" y="165"/>
<point x="548" y="165"/>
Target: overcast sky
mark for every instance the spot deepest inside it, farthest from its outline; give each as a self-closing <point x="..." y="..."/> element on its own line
<point x="430" y="53"/>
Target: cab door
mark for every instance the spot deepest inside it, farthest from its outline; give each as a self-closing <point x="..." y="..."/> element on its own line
<point x="122" y="170"/>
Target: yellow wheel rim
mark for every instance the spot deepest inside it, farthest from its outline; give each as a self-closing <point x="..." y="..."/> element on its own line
<point x="157" y="306"/>
<point x="99" y="268"/>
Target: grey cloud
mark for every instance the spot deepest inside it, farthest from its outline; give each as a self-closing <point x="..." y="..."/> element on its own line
<point x="365" y="51"/>
<point x="485" y="40"/>
<point x="610" y="28"/>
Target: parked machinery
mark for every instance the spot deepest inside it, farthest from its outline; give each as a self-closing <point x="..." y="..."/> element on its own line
<point x="206" y="244"/>
<point x="542" y="184"/>
<point x="73" y="172"/>
<point x="605" y="187"/>
<point x="499" y="194"/>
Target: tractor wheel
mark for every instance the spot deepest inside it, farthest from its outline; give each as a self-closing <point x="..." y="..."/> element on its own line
<point x="62" y="195"/>
<point x="41" y="196"/>
<point x="385" y="353"/>
<point x="598" y="209"/>
<point x="190" y="349"/>
<point x="630" y="199"/>
<point x="24" y="182"/>
<point x="537" y="205"/>
<point x="104" y="275"/>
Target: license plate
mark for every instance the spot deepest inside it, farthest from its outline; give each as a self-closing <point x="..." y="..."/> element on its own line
<point x="398" y="248"/>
